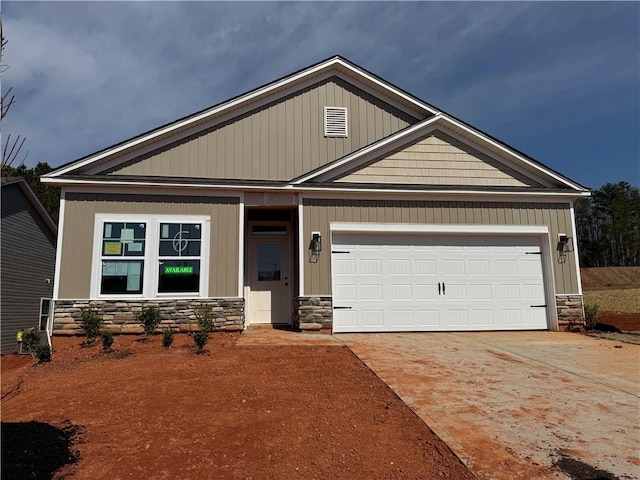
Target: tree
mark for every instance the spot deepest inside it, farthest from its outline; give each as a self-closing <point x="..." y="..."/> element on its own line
<point x="608" y="226"/>
<point x="12" y="148"/>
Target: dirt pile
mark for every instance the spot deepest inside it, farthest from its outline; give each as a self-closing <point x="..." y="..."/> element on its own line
<point x="610" y="277"/>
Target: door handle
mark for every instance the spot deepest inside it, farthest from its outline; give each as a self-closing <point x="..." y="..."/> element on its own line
<point x="438" y="288"/>
<point x="444" y="291"/>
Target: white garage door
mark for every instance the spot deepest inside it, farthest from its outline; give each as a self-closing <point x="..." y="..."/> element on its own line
<point x="401" y="282"/>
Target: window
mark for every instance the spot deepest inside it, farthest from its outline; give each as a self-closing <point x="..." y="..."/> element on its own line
<point x="179" y="257"/>
<point x="122" y="257"/>
<point x="335" y="122"/>
<point x="150" y="256"/>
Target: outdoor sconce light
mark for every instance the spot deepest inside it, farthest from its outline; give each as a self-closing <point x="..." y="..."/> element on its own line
<point x="316" y="242"/>
<point x="564" y="243"/>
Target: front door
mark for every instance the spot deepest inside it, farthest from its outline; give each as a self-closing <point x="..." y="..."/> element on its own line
<point x="269" y="273"/>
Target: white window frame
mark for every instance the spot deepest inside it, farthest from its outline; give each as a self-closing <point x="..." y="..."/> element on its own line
<point x="151" y="255"/>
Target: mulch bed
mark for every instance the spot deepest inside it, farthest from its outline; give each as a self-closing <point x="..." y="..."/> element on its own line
<point x="142" y="411"/>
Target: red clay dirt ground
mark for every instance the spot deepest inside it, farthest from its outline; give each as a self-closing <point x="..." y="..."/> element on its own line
<point x="233" y="412"/>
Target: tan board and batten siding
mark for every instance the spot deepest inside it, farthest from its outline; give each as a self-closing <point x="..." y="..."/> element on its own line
<point x="279" y="141"/>
<point x="440" y="159"/>
<point x="77" y="244"/>
<point x="320" y="213"/>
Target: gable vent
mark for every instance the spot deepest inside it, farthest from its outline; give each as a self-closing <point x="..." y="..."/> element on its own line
<point x="335" y="122"/>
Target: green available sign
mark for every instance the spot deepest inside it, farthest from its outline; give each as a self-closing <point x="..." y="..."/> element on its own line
<point x="186" y="270"/>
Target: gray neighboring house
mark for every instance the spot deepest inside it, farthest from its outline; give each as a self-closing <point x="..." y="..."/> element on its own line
<point x="28" y="257"/>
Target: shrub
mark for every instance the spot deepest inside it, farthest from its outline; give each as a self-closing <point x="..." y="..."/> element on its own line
<point x="107" y="339"/>
<point x="167" y="337"/>
<point x="31" y="340"/>
<point x="149" y="318"/>
<point x="204" y="315"/>
<point x="43" y="353"/>
<point x="591" y="314"/>
<point x="91" y="323"/>
<point x="200" y="339"/>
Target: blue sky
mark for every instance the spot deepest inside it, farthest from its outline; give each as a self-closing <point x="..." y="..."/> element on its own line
<point x="559" y="81"/>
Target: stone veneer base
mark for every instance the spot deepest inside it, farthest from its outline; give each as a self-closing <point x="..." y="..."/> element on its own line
<point x="312" y="313"/>
<point x="570" y="312"/>
<point x="119" y="315"/>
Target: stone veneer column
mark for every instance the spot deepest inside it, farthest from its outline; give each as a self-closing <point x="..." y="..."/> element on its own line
<point x="312" y="313"/>
<point x="119" y="315"/>
<point x="570" y="312"/>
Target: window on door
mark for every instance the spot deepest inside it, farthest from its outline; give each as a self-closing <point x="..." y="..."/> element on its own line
<point x="269" y="262"/>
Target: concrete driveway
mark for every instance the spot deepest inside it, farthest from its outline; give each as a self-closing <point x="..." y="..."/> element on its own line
<point x="511" y="404"/>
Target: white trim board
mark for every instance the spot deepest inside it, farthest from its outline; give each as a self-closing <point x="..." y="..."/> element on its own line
<point x="439" y="228"/>
<point x="168" y="188"/>
<point x="59" y="240"/>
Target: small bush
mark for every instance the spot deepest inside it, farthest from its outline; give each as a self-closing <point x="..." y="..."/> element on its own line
<point x="167" y="337"/>
<point x="149" y="318"/>
<point x="43" y="353"/>
<point x="591" y="314"/>
<point x="107" y="339"/>
<point x="31" y="340"/>
<point x="91" y="323"/>
<point x="200" y="339"/>
<point x="204" y="315"/>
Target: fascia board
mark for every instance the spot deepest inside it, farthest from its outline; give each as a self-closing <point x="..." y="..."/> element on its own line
<point x="261" y="91"/>
<point x="343" y="192"/>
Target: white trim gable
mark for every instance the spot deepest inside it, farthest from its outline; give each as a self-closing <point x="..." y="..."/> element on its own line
<point x="452" y="127"/>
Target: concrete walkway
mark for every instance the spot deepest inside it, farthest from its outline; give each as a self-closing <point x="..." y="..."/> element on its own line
<point x="512" y="404"/>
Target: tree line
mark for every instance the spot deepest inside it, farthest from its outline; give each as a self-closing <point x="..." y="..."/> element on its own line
<point x="608" y="226"/>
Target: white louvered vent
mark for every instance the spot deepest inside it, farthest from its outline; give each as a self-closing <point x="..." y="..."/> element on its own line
<point x="335" y="122"/>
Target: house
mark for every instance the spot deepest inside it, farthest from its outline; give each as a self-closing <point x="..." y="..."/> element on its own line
<point x="325" y="199"/>
<point x="27" y="257"/>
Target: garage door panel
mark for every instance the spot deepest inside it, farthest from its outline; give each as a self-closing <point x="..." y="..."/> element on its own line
<point x="371" y="292"/>
<point x="400" y="292"/>
<point x="427" y="318"/>
<point x="490" y="283"/>
<point x="372" y="318"/>
<point x="482" y="318"/>
<point x="402" y="318"/>
<point x="425" y="266"/>
<point x="370" y="267"/>
<point x="480" y="292"/>
<point x="425" y="292"/>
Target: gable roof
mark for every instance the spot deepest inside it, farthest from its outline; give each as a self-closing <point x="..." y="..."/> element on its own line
<point x="430" y="118"/>
<point x="333" y="65"/>
<point x="441" y="121"/>
<point x="33" y="199"/>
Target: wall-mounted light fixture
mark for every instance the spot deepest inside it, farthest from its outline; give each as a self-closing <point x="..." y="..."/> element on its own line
<point x="315" y="247"/>
<point x="565" y="244"/>
<point x="316" y="242"/>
